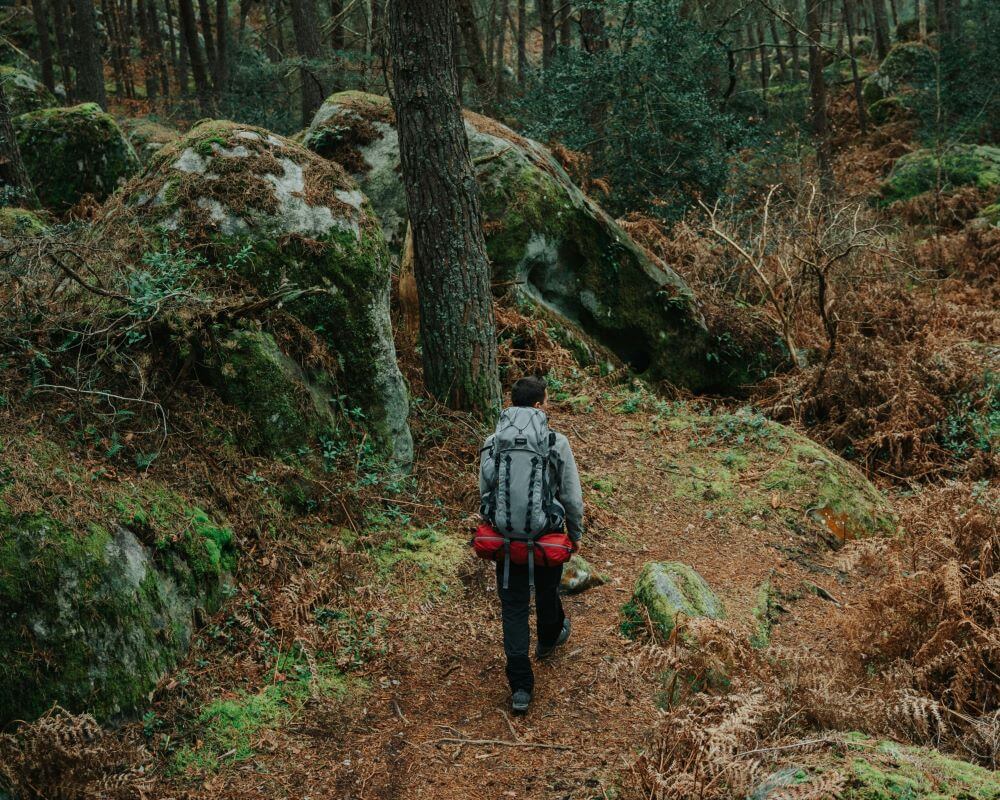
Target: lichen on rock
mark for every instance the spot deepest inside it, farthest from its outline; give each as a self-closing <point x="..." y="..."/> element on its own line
<point x="23" y="92"/>
<point x="669" y="592"/>
<point x="545" y="237"/>
<point x="73" y="152"/>
<point x="270" y="215"/>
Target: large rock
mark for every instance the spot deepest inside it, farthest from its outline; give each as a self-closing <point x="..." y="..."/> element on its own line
<point x="670" y="592"/>
<point x="872" y="770"/>
<point x="557" y="246"/>
<point x="90" y="616"/>
<point x="908" y="65"/>
<point x="73" y="152"/>
<point x="23" y="92"/>
<point x="744" y="464"/>
<point x="959" y="165"/>
<point x="271" y="215"/>
<point x="147" y="136"/>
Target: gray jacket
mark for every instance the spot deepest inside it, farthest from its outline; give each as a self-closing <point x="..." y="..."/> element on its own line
<point x="568" y="493"/>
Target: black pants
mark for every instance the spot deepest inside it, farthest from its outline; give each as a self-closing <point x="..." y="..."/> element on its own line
<point x="515" y="604"/>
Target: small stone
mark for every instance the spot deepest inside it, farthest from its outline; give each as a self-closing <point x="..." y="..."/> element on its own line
<point x="578" y="576"/>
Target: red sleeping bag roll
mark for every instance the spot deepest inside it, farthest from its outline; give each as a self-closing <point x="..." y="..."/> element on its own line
<point x="551" y="549"/>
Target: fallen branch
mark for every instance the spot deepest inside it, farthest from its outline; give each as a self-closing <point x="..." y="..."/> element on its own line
<point x="498" y="743"/>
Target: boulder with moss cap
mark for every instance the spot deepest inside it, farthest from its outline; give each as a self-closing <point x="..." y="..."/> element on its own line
<point x="23" y="92"/>
<point x="669" y="592"/>
<point x="73" y="152"/>
<point x="548" y="239"/>
<point x="269" y="215"/>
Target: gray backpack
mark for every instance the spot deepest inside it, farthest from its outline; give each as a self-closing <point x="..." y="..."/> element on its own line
<point x="520" y="506"/>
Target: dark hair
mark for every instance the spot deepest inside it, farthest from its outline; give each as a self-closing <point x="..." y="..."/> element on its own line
<point x="528" y="391"/>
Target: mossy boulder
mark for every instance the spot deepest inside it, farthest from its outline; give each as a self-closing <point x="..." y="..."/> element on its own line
<point x="958" y="165"/>
<point x="745" y="465"/>
<point x="73" y="152"/>
<point x="874" y="770"/>
<point x="23" y="92"/>
<point x="285" y="407"/>
<point x="16" y="222"/>
<point x="147" y="136"/>
<point x="670" y="592"/>
<point x="907" y="66"/>
<point x="91" y="616"/>
<point x="544" y="237"/>
<point x="271" y="216"/>
<point x="991" y="214"/>
<point x="888" y="109"/>
<point x="578" y="575"/>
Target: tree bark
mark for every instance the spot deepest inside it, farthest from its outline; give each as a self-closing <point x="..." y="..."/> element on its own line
<point x="522" y="32"/>
<point x="221" y="45"/>
<point x="922" y="19"/>
<point x="206" y="34"/>
<point x="40" y="13"/>
<point x="150" y="73"/>
<point x="848" y="21"/>
<point x="63" y="47"/>
<point x="189" y="30"/>
<point x="593" y="32"/>
<point x="337" y="29"/>
<point x="779" y="53"/>
<point x="156" y="40"/>
<point x="882" y="38"/>
<point x="473" y="47"/>
<point x="548" y="19"/>
<point x="457" y="324"/>
<point x="305" y="23"/>
<point x="793" y="45"/>
<point x="12" y="171"/>
<point x="565" y="20"/>
<point x="86" y="57"/>
<point x="817" y="94"/>
<point x="500" y="65"/>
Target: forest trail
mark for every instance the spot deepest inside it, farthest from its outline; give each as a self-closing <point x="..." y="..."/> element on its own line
<point x="593" y="707"/>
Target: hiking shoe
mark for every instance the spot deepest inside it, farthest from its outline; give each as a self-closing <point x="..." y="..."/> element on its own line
<point x="545" y="652"/>
<point x="520" y="701"/>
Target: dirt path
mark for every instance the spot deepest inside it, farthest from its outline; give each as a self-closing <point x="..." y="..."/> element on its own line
<point x="592" y="707"/>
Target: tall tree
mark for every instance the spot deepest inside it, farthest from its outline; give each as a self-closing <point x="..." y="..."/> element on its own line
<point x="882" y="39"/>
<point x="221" y="45"/>
<point x="565" y="23"/>
<point x="206" y="34"/>
<point x="547" y="12"/>
<point x="474" y="53"/>
<point x="150" y="69"/>
<point x="40" y="13"/>
<point x="501" y="55"/>
<point x="817" y="95"/>
<point x="60" y="16"/>
<point x="12" y="171"/>
<point x="305" y="24"/>
<point x="457" y="324"/>
<point x="593" y="32"/>
<point x="849" y="24"/>
<point x="189" y="32"/>
<point x="86" y="56"/>
<point x="522" y="35"/>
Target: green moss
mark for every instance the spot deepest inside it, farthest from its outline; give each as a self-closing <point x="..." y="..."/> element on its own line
<point x="668" y="591"/>
<point x="15" y="222"/>
<point x="72" y="152"/>
<point x="147" y="136"/>
<point x="765" y="613"/>
<point x="960" y="165"/>
<point x="907" y="65"/>
<point x="991" y="214"/>
<point x="226" y="729"/>
<point x="430" y="555"/>
<point x="23" y="92"/>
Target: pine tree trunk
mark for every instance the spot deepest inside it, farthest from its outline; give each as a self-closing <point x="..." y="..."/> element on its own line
<point x="895" y="13"/>
<point x="457" y="324"/>
<point x="522" y="52"/>
<point x="793" y="45"/>
<point x="765" y="62"/>
<point x="146" y="48"/>
<point x="39" y="12"/>
<point x="859" y="97"/>
<point x="565" y="20"/>
<point x="221" y="45"/>
<point x="500" y="65"/>
<point x="305" y="24"/>
<point x="12" y="171"/>
<point x="337" y="29"/>
<point x="779" y="53"/>
<point x="882" y="39"/>
<point x="86" y="56"/>
<point x="817" y="95"/>
<point x="189" y="30"/>
<point x="156" y="41"/>
<point x="473" y="46"/>
<point x="206" y="34"/>
<point x="593" y="33"/>
<point x="922" y="19"/>
<point x="546" y="10"/>
<point x="60" y="15"/>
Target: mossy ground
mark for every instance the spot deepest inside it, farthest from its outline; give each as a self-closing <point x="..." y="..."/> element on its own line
<point x="958" y="165"/>
<point x="15" y="222"/>
<point x="73" y="152"/>
<point x="23" y="92"/>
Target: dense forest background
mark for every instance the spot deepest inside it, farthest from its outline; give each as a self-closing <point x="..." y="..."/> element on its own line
<point x="752" y="245"/>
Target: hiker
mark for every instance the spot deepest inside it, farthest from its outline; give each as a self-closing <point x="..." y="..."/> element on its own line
<point x="532" y="512"/>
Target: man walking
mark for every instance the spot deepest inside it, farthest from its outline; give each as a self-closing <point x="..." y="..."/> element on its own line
<point x="530" y="492"/>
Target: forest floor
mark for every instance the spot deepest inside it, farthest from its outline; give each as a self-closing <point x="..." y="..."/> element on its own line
<point x="434" y="720"/>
